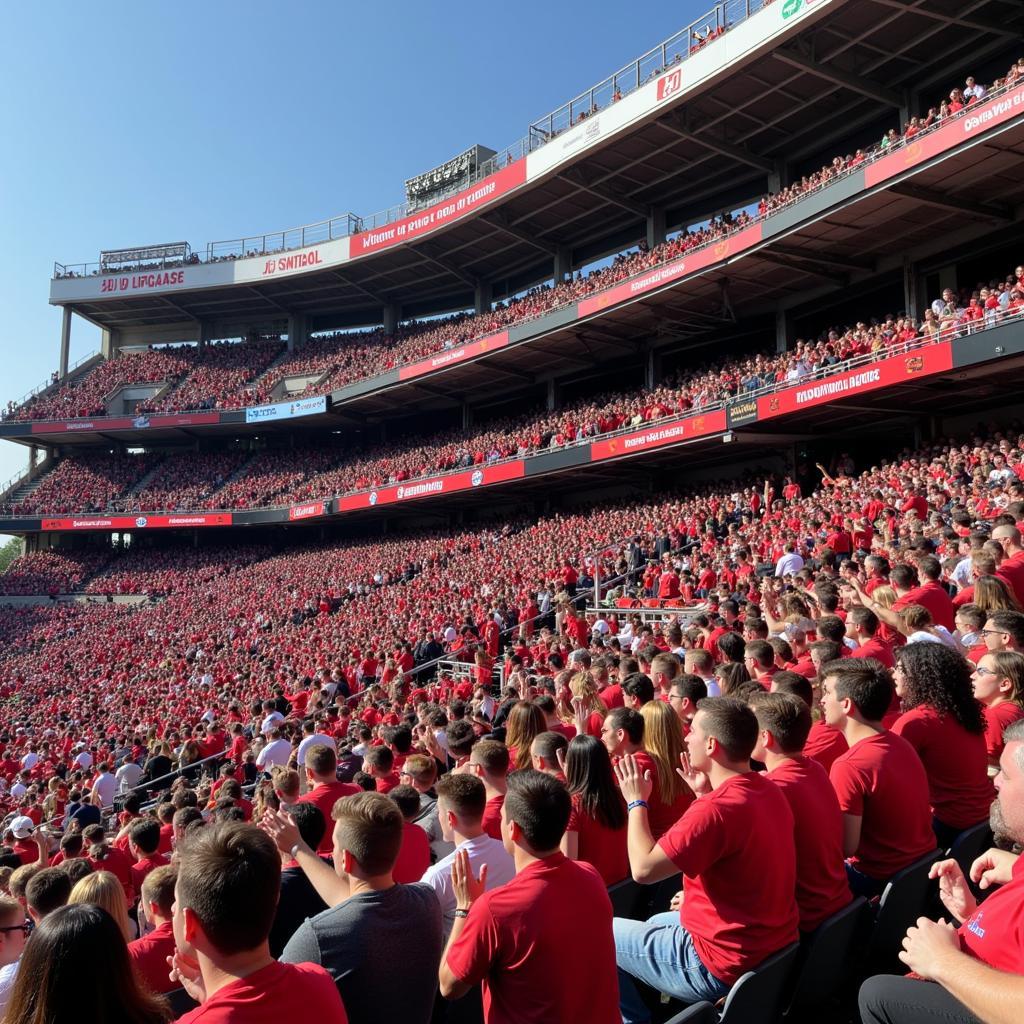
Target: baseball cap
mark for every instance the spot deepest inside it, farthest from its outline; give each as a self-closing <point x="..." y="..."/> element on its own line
<point x="22" y="826"/>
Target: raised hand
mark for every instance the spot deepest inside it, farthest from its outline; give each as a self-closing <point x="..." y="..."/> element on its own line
<point x="633" y="784"/>
<point x="697" y="780"/>
<point x="281" y="828"/>
<point x="467" y="888"/>
<point x="185" y="970"/>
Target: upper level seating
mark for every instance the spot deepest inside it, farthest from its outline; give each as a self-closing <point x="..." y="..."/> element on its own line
<point x="50" y="572"/>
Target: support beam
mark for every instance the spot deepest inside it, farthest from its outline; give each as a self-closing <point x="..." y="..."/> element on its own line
<point x="610" y="195"/>
<point x="678" y="125"/>
<point x="392" y="317"/>
<point x="848" y="80"/>
<point x="501" y="221"/>
<point x="168" y="301"/>
<point x="656" y="227"/>
<point x="911" y="287"/>
<point x="445" y="264"/>
<point x="933" y="197"/>
<point x="65" y="340"/>
<point x="806" y="267"/>
<point x="297" y="331"/>
<point x="844" y="262"/>
<point x="266" y="298"/>
<point x="379" y="299"/>
<point x="483" y="297"/>
<point x="552" y="396"/>
<point x="783" y="326"/>
<point x="563" y="263"/>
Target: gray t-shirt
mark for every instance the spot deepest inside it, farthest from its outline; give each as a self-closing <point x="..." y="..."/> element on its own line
<point x="383" y="950"/>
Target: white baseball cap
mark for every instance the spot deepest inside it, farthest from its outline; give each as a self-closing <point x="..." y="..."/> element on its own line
<point x="22" y="826"/>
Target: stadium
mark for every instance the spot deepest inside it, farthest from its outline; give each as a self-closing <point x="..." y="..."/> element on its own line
<point x="369" y="551"/>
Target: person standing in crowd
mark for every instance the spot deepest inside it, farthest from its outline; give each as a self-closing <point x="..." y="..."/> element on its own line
<point x="149" y="954"/>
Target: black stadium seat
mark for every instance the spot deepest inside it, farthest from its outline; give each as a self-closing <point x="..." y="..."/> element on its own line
<point x="905" y="899"/>
<point x="970" y="845"/>
<point x="628" y="899"/>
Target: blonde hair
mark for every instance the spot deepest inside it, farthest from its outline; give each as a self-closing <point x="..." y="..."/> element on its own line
<point x="663" y="740"/>
<point x="885" y="596"/>
<point x="582" y="685"/>
<point x="105" y="891"/>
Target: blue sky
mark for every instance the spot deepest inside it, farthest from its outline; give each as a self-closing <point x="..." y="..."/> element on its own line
<point x="130" y="124"/>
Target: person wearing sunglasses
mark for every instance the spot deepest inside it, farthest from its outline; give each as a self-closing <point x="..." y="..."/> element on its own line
<point x="998" y="682"/>
<point x="14" y="929"/>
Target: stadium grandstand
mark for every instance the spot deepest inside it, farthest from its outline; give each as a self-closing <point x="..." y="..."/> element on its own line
<point x="590" y="590"/>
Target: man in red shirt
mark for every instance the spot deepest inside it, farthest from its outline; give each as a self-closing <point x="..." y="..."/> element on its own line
<point x="821" y="886"/>
<point x="735" y="849"/>
<point x="324" y="788"/>
<point x="880" y="781"/>
<point x="143" y="844"/>
<point x="976" y="968"/>
<point x="224" y="904"/>
<point x="555" y="911"/>
<point x="414" y="853"/>
<point x="1012" y="566"/>
<point x="930" y="594"/>
<point x="488" y="761"/>
<point x="862" y="626"/>
<point x="149" y="953"/>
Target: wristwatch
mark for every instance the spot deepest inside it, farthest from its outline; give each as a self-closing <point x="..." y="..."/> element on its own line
<point x="293" y="852"/>
<point x="462" y="911"/>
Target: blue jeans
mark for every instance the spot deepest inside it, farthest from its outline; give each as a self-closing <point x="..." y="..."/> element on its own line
<point x="660" y="953"/>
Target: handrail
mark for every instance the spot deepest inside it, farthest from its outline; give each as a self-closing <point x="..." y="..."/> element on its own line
<point x="54" y="381"/>
<point x="669" y="53"/>
<point x="950" y="334"/>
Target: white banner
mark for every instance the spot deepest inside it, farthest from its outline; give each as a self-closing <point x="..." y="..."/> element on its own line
<point x="286" y="410"/>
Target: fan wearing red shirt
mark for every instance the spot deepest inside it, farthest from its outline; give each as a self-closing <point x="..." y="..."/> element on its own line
<point x="225" y="899"/>
<point x="143" y="844"/>
<point x="324" y="788"/>
<point x="821" y="887"/>
<point x="554" y="911"/>
<point x="489" y="761"/>
<point x="414" y="853"/>
<point x="735" y="848"/>
<point x="944" y="723"/>
<point x="149" y="953"/>
<point x="862" y="625"/>
<point x="378" y="763"/>
<point x="998" y="682"/>
<point x="930" y="594"/>
<point x="880" y="781"/>
<point x="973" y="972"/>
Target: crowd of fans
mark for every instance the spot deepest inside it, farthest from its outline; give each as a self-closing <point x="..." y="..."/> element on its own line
<point x="50" y="572"/>
<point x="223" y="377"/>
<point x="858" y="637"/>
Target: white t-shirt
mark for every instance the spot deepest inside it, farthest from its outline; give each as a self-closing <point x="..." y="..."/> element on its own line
<point x="8" y="975"/>
<point x="128" y="776"/>
<point x="106" y="786"/>
<point x="274" y="753"/>
<point x="312" y="741"/>
<point x="270" y="721"/>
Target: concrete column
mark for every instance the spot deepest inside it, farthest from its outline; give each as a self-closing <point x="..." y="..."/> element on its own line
<point x="652" y="368"/>
<point x="296" y="331"/>
<point x="65" y="340"/>
<point x="205" y="333"/>
<point x="655" y="227"/>
<point x="392" y="318"/>
<point x="110" y="342"/>
<point x="783" y="326"/>
<point x="482" y="296"/>
<point x="467" y="415"/>
<point x="552" y="397"/>
<point x="33" y="458"/>
<point x="563" y="263"/>
<point x="911" y="288"/>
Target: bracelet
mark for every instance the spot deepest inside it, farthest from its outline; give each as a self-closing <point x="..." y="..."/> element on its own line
<point x="460" y="912"/>
<point x="293" y="852"/>
<point x="635" y="803"/>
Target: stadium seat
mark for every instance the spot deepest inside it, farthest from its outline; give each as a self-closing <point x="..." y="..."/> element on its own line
<point x="970" y="845"/>
<point x="825" y="957"/>
<point x="659" y="895"/>
<point x="180" y="1002"/>
<point x="629" y="899"/>
<point x="903" y="902"/>
<point x="757" y="998"/>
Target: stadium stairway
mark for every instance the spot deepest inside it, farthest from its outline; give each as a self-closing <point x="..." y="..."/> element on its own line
<point x="26" y="489"/>
<point x="258" y="382"/>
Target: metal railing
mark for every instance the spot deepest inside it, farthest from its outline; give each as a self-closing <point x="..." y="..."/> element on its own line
<point x="667" y="54"/>
<point x="51" y="383"/>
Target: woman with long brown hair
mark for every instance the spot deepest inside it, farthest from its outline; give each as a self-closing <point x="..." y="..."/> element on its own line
<point x="526" y="722"/>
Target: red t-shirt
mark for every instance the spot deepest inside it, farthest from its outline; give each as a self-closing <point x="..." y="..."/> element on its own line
<point x="994" y="933"/>
<point x="554" y="912"/>
<point x="932" y="595"/>
<point x="956" y="762"/>
<point x="491" y="822"/>
<point x="120" y="865"/>
<point x="142" y="867"/>
<point x="413" y="855"/>
<point x="824" y="744"/>
<point x="736" y="851"/>
<point x="661" y="816"/>
<point x="599" y="845"/>
<point x="386" y="783"/>
<point x="877" y="649"/>
<point x="149" y="958"/>
<point x="881" y="780"/>
<point x="325" y="795"/>
<point x="821" y="886"/>
<point x="272" y="994"/>
<point x="996" y="721"/>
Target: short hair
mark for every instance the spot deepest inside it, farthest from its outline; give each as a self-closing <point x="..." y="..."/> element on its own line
<point x="310" y="821"/>
<point x="381" y="758"/>
<point x="492" y="756"/>
<point x="666" y="662"/>
<point x="929" y="567"/>
<point x="320" y="759"/>
<point x="827" y="650"/>
<point x="972" y="614"/>
<point x="731" y="722"/>
<point x="864" y="618"/>
<point x="547" y="745"/>
<point x="732" y="645"/>
<point x="145" y="834"/>
<point x="158" y="888"/>
<point x="630" y="721"/>
<point x="47" y="889"/>
<point x="11" y="911"/>
<point x="229" y="876"/>
<point x="460" y="737"/>
<point x="76" y="869"/>
<point x="1009" y="622"/>
<point x="795" y="684"/>
<point x="406" y="799"/>
<point x="540" y="805"/>
<point x="864" y="681"/>
<point x="700" y="659"/>
<point x="691" y="686"/>
<point x="20" y="877"/>
<point x="639" y="686"/>
<point x="421" y="768"/>
<point x="902" y="576"/>
<point x="186" y="816"/>
<point x="831" y="627"/>
<point x="464" y="794"/>
<point x="165" y="812"/>
<point x="761" y="652"/>
<point x="786" y="717"/>
<point x="369" y="826"/>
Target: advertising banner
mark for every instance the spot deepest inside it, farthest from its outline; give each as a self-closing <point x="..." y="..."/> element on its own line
<point x="311" y="510"/>
<point x="658" y="436"/>
<point x="459" y="354"/>
<point x="141" y="522"/>
<point x="870" y="377"/>
<point x="286" y="410"/>
<point x="481" y="476"/>
<point x="741" y="411"/>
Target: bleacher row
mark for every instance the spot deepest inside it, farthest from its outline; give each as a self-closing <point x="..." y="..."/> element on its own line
<point x="225" y="376"/>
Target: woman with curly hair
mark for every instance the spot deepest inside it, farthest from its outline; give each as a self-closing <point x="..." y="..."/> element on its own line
<point x="526" y="722"/>
<point x="944" y="723"/>
<point x="999" y="685"/>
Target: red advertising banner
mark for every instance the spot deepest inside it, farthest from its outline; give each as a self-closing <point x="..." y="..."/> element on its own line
<point x="691" y="264"/>
<point x="140" y="422"/>
<point x="142" y="522"/>
<point x="481" y="476"/>
<point x="981" y="117"/>
<point x="657" y="436"/>
<point x="311" y="510"/>
<point x="460" y="354"/>
<point x="870" y="377"/>
<point x="460" y="205"/>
